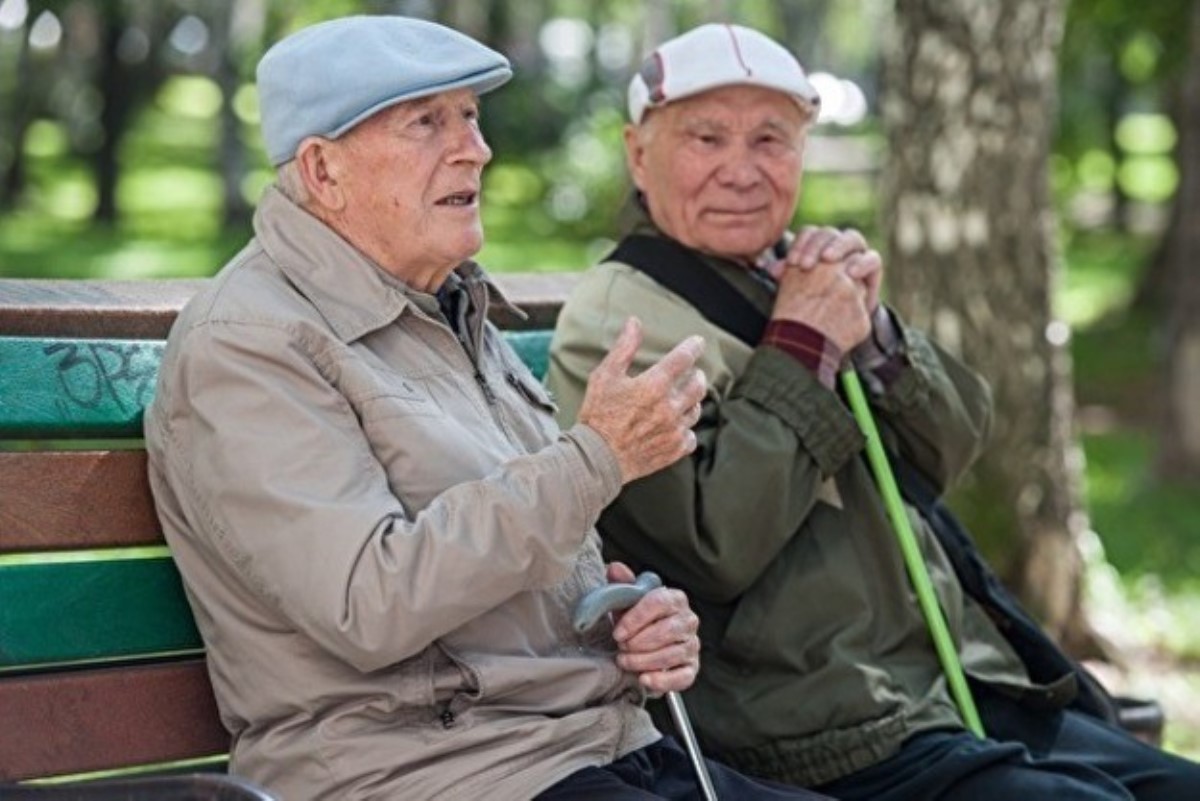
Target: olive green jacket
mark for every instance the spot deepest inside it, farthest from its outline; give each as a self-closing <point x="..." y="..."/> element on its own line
<point x="816" y="661"/>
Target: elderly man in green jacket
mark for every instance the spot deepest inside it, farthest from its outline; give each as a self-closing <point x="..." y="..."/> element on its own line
<point x="818" y="669"/>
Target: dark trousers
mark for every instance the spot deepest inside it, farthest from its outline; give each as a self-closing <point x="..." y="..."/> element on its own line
<point x="663" y="771"/>
<point x="1028" y="756"/>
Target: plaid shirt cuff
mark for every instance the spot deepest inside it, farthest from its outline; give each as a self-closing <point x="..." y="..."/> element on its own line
<point x="807" y="346"/>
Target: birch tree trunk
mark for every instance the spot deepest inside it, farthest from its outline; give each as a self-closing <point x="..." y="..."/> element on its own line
<point x="968" y="108"/>
<point x="1179" y="436"/>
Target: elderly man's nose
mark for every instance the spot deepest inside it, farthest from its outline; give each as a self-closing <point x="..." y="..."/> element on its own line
<point x="470" y="145"/>
<point x="739" y="170"/>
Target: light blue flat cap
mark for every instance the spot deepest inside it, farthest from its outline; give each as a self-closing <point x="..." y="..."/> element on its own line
<point x="327" y="78"/>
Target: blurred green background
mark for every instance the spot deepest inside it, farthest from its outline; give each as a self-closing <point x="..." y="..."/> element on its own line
<point x="129" y="149"/>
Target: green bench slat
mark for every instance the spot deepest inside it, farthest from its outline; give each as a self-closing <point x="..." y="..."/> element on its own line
<point x="66" y="388"/>
<point x="534" y="349"/>
<point x="72" y="611"/>
<point x="89" y="388"/>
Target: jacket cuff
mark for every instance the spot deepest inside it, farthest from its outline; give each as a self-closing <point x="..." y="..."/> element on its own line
<point x="786" y="389"/>
<point x="910" y="388"/>
<point x="596" y="474"/>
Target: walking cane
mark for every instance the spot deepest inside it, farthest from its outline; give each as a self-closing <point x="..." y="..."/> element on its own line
<point x="917" y="572"/>
<point x="615" y="598"/>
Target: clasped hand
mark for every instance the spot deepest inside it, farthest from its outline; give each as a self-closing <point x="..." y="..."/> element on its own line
<point x="657" y="637"/>
<point x="830" y="281"/>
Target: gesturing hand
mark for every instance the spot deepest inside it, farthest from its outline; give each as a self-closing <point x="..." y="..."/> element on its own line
<point x="656" y="637"/>
<point x="646" y="419"/>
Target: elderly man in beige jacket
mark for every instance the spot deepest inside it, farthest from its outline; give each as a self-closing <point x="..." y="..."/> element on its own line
<point x="380" y="527"/>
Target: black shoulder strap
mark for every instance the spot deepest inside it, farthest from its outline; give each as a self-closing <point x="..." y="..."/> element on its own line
<point x="680" y="270"/>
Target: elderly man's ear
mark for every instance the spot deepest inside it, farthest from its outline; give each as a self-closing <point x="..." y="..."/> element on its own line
<point x="635" y="150"/>
<point x="318" y="161"/>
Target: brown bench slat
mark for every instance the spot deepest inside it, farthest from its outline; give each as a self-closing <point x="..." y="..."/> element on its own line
<point x="106" y="718"/>
<point x="74" y="500"/>
<point x="146" y="309"/>
<point x="68" y="308"/>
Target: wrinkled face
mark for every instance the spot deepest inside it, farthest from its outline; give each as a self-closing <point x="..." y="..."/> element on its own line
<point x="410" y="178"/>
<point x="721" y="170"/>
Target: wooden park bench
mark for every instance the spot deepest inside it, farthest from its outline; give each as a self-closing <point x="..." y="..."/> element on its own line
<point x="101" y="667"/>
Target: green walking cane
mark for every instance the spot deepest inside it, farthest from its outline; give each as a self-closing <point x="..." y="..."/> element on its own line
<point x="917" y="572"/>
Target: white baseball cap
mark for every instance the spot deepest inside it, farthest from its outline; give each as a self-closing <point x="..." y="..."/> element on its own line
<point x="712" y="56"/>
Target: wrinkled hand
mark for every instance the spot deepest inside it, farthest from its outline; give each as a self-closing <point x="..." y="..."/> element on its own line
<point x="847" y="247"/>
<point x="830" y="281"/>
<point x="824" y="297"/>
<point x="646" y="419"/>
<point x="656" y="637"/>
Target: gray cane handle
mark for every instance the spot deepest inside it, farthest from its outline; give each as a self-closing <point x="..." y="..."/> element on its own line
<point x="612" y="598"/>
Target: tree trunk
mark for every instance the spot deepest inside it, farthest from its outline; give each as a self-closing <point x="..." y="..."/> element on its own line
<point x="116" y="88"/>
<point x="15" y="122"/>
<point x="1179" y="440"/>
<point x="230" y="27"/>
<point x="969" y="107"/>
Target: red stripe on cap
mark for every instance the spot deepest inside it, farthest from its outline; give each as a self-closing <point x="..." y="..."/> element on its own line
<point x="737" y="51"/>
<point x="656" y="82"/>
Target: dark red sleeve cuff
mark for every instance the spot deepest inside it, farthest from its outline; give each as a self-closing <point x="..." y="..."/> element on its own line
<point x="806" y="345"/>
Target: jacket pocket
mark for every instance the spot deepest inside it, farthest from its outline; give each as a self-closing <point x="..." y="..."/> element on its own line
<point x="530" y="390"/>
<point x="397" y="396"/>
<point x="739" y="643"/>
<point x="457" y="685"/>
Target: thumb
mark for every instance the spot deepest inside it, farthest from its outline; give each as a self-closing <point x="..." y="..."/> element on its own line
<point x="620" y="355"/>
<point x="619" y="573"/>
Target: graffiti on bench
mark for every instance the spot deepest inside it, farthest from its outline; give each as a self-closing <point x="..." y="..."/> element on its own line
<point x="92" y="373"/>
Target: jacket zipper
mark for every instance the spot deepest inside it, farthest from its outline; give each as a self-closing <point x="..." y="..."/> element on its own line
<point x="489" y="394"/>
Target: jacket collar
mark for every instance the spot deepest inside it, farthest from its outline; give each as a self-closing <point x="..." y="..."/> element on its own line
<point x="354" y="294"/>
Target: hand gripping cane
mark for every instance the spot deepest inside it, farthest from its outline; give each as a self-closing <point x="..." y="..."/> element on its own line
<point x="917" y="572"/>
<point x="615" y="598"/>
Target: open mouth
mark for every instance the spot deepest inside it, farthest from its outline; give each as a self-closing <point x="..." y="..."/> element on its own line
<point x="459" y="199"/>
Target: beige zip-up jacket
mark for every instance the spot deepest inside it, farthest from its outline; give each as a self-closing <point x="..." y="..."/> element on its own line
<point x="382" y="533"/>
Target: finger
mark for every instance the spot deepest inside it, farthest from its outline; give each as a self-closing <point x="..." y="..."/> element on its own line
<point x="809" y="245"/>
<point x="668" y="658"/>
<point x="661" y="619"/>
<point x="676" y="363"/>
<point x="692" y="416"/>
<point x="865" y="264"/>
<point x="775" y="268"/>
<point x="689" y="444"/>
<point x="846" y="242"/>
<point x="620" y="355"/>
<point x="691" y="390"/>
<point x="653" y="608"/>
<point x="619" y="573"/>
<point x="677" y="680"/>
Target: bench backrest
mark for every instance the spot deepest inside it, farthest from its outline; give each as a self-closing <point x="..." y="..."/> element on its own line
<point x="101" y="666"/>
